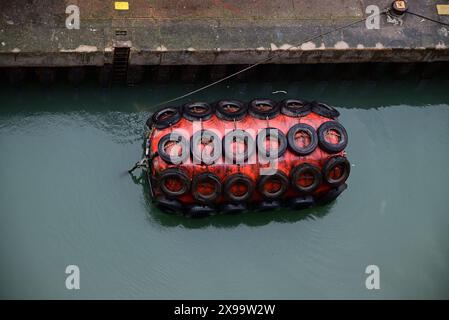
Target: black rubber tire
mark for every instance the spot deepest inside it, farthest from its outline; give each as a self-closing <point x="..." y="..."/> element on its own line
<point x="173" y="137"/>
<point x="197" y="211"/>
<point x="301" y="169"/>
<point x="324" y="110"/>
<point x="222" y="110"/>
<point x="332" y="194"/>
<point x="171" y="206"/>
<point x="229" y="138"/>
<point x="196" y="111"/>
<point x="164" y="118"/>
<point x="148" y="125"/>
<point x="302" y="151"/>
<point x="174" y="173"/>
<point x="330" y="165"/>
<point x="196" y="153"/>
<point x="259" y="113"/>
<point x="238" y="178"/>
<point x="234" y="208"/>
<point x="151" y="180"/>
<point x="330" y="147"/>
<point x="300" y="203"/>
<point x="295" y="108"/>
<point x="201" y="178"/>
<point x="268" y="205"/>
<point x="279" y="176"/>
<point x="268" y="132"/>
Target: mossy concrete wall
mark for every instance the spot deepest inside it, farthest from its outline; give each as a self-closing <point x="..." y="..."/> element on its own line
<point x="217" y="32"/>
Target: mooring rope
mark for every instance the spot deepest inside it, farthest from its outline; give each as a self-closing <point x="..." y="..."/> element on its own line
<point x="428" y="18"/>
<point x="277" y="54"/>
<point x="142" y="164"/>
<point x="289" y="48"/>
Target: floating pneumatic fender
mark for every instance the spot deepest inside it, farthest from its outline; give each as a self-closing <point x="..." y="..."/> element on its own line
<point x="204" y="158"/>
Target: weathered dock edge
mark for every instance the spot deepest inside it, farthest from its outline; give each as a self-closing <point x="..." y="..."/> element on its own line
<point x="232" y="56"/>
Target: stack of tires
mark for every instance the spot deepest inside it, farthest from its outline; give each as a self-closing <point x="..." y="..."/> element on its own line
<point x="231" y="156"/>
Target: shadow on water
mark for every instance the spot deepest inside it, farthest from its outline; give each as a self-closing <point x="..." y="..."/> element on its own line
<point x="250" y="218"/>
<point x="91" y="99"/>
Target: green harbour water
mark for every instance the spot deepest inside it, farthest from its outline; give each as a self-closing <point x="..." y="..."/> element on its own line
<point x="66" y="199"/>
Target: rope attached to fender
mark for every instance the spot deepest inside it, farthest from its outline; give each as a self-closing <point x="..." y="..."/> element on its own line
<point x="263" y="61"/>
<point x="142" y="164"/>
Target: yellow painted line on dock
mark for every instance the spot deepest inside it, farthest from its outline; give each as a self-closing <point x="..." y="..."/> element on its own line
<point x="443" y="9"/>
<point x="121" y="5"/>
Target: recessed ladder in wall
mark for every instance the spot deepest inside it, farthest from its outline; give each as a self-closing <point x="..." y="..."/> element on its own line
<point x="120" y="65"/>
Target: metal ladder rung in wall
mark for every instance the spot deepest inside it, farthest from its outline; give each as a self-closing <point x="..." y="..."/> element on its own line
<point x="120" y="65"/>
